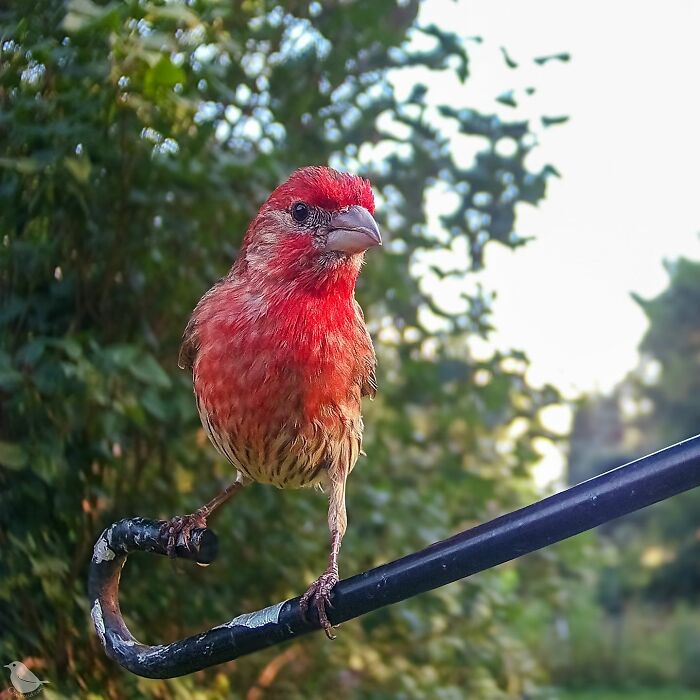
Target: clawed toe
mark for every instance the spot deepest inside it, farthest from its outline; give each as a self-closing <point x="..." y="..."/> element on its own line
<point x="320" y="592"/>
<point x="181" y="526"/>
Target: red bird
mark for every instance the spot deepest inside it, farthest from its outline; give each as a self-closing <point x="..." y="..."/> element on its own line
<point x="280" y="354"/>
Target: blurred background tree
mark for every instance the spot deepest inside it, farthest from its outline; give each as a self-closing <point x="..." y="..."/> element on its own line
<point x="640" y="624"/>
<point x="137" y="140"/>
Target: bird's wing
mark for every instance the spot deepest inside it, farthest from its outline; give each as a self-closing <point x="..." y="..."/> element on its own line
<point x="189" y="346"/>
<point x="190" y="340"/>
<point x="368" y="377"/>
<point x="24" y="674"/>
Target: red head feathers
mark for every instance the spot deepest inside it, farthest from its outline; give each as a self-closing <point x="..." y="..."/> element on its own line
<point x="311" y="233"/>
<point x="325" y="188"/>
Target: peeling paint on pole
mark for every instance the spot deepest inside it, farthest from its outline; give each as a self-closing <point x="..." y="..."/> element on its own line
<point x="97" y="621"/>
<point x="257" y="618"/>
<point x="102" y="552"/>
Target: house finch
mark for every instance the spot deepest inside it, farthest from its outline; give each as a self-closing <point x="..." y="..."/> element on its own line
<point x="280" y="354"/>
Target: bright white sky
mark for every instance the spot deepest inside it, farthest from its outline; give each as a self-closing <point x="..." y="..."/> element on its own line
<point x="630" y="163"/>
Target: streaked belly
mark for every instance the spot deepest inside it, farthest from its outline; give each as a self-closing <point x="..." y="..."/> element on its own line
<point x="283" y="457"/>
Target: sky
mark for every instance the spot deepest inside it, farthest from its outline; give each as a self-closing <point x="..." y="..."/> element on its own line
<point x="629" y="195"/>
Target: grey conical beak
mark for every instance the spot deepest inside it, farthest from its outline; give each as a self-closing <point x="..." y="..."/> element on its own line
<point x="353" y="231"/>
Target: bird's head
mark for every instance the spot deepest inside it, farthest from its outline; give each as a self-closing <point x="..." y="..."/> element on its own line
<point x="312" y="231"/>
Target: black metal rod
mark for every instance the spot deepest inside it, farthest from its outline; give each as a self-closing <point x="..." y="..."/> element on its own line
<point x="606" y="497"/>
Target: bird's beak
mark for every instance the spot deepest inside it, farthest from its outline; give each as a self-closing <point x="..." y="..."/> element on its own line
<point x="353" y="231"/>
<point x="8" y="665"/>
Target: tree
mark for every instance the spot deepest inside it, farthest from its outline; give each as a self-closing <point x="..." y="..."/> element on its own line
<point x="655" y="567"/>
<point x="669" y="384"/>
<point x="657" y="404"/>
<point x="137" y="140"/>
<point x="673" y="343"/>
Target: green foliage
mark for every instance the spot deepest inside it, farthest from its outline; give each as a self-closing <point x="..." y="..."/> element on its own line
<point x="670" y="693"/>
<point x="138" y="139"/>
<point x="648" y="592"/>
<point x="647" y="647"/>
<point x="671" y="400"/>
<point x="673" y="341"/>
<point x="656" y="405"/>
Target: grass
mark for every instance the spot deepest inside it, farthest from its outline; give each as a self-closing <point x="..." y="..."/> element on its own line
<point x="649" y="694"/>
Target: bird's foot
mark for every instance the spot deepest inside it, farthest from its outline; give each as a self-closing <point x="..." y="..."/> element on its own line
<point x="320" y="592"/>
<point x="181" y="526"/>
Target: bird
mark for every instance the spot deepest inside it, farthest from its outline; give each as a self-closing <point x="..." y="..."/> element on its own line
<point x="281" y="357"/>
<point x="24" y="681"/>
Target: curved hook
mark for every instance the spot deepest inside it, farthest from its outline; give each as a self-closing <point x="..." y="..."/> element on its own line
<point x="244" y="634"/>
<point x="582" y="507"/>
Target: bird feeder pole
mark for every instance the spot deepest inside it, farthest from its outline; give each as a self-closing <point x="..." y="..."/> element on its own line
<point x="620" y="491"/>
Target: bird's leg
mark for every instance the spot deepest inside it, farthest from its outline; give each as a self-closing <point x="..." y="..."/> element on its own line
<point x="184" y="524"/>
<point x="320" y="590"/>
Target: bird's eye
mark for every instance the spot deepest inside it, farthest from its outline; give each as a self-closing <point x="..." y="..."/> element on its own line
<point x="300" y="212"/>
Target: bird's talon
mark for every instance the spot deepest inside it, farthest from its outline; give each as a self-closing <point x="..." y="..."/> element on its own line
<point x="181" y="526"/>
<point x="320" y="591"/>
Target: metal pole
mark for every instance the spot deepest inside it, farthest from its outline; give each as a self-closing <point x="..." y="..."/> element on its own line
<point x="611" y="495"/>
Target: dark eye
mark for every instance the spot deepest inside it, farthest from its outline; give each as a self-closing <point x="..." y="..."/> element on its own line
<point x="300" y="212"/>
